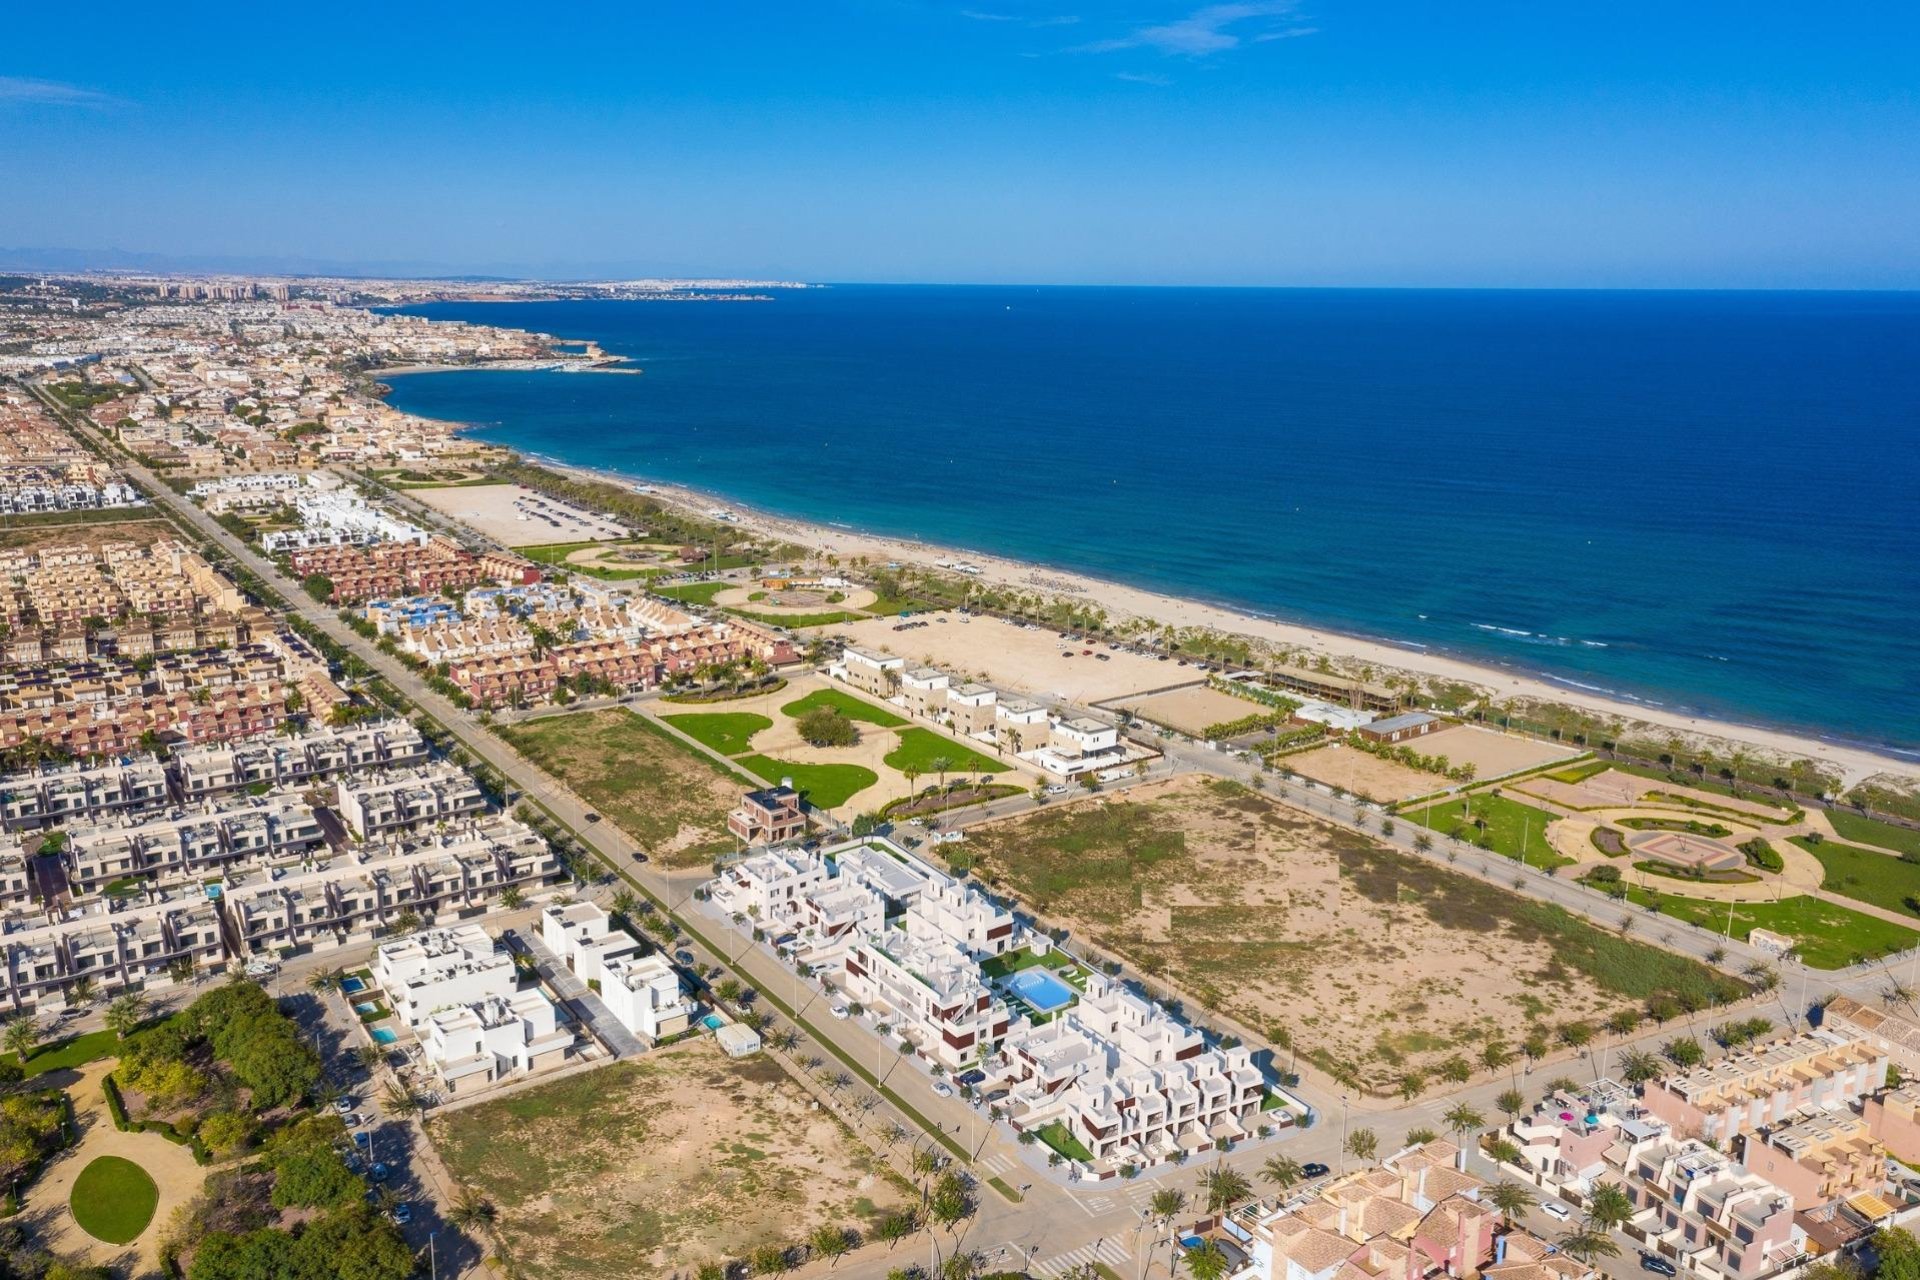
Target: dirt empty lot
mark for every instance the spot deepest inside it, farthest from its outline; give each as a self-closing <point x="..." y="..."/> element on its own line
<point x="1190" y="710"/>
<point x="652" y="1167"/>
<point x="1369" y="960"/>
<point x="1015" y="658"/>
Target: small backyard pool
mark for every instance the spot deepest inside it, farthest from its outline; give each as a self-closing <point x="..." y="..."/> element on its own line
<point x="385" y="1035"/>
<point x="366" y="1007"/>
<point x="1041" y="990"/>
<point x="352" y="986"/>
<point x="713" y="1022"/>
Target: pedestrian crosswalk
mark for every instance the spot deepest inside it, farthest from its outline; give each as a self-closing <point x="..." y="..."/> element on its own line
<point x="996" y="1162"/>
<point x="1111" y="1252"/>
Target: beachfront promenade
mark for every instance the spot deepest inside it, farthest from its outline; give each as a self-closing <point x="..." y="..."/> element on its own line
<point x="1053" y="1221"/>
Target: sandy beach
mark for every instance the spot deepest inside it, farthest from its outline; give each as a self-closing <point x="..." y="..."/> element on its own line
<point x="1852" y="763"/>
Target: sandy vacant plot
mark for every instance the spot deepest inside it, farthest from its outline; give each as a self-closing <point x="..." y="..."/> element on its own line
<point x="1014" y="658"/>
<point x="32" y="537"/>
<point x="1360" y="774"/>
<point x="672" y="800"/>
<point x="1190" y="710"/>
<point x="1491" y="753"/>
<point x="651" y="1167"/>
<point x="1615" y="788"/>
<point x="1370" y="960"/>
<point x="516" y="516"/>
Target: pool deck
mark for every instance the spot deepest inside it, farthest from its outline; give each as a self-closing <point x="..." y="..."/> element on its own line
<point x="580" y="998"/>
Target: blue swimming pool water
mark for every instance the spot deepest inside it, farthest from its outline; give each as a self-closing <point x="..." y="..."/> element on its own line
<point x="365" y="1006"/>
<point x="1041" y="990"/>
<point x="713" y="1022"/>
<point x="383" y="1035"/>
<point x="352" y="986"/>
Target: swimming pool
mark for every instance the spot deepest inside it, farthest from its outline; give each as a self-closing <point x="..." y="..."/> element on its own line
<point x="352" y="986"/>
<point x="1041" y="990"/>
<point x="713" y="1022"/>
<point x="385" y="1035"/>
<point x="365" y="1007"/>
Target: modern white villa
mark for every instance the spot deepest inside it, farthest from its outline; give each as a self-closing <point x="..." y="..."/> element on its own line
<point x="638" y="986"/>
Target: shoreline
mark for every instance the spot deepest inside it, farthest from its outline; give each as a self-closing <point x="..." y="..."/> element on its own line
<point x="1855" y="762"/>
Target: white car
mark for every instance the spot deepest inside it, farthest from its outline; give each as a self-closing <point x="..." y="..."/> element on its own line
<point x="262" y="969"/>
<point x="1057" y="789"/>
<point x="838" y="1011"/>
<point x="1554" y="1209"/>
<point x="941" y="1089"/>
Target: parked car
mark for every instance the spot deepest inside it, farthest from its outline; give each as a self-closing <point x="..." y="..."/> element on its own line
<point x="354" y="1119"/>
<point x="1658" y="1265"/>
<point x="261" y="968"/>
<point x="362" y="1140"/>
<point x="379" y="1172"/>
<point x="838" y="1011"/>
<point x="402" y="1214"/>
<point x="593" y="817"/>
<point x="941" y="1089"/>
<point x="343" y="1104"/>
<point x="971" y="1077"/>
<point x="1057" y="789"/>
<point x="1315" y="1169"/>
<point x="1554" y="1209"/>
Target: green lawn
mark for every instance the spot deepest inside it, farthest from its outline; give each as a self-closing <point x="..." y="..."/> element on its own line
<point x="1014" y="961"/>
<point x="795" y="621"/>
<point x="920" y="748"/>
<point x="728" y="732"/>
<point x="1862" y="874"/>
<point x="1579" y="772"/>
<point x="693" y="592"/>
<point x="1829" y="936"/>
<point x="1055" y="1135"/>
<point x="1854" y="826"/>
<point x="825" y="786"/>
<point x="553" y="552"/>
<point x="1708" y="783"/>
<point x="74" y="1051"/>
<point x="1508" y="823"/>
<point x="847" y="705"/>
<point x="114" y="1199"/>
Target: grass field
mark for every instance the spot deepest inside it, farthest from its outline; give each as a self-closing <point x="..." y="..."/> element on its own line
<point x="1686" y="778"/>
<point x="920" y="748"/>
<point x="847" y="705"/>
<point x="1829" y="936"/>
<point x="671" y="799"/>
<point x="693" y="592"/>
<point x="825" y="786"/>
<point x="728" y="732"/>
<point x="74" y="1051"/>
<point x="654" y="1167"/>
<point x="1508" y="824"/>
<point x="1878" y="878"/>
<point x="1854" y="826"/>
<point x="795" y="621"/>
<point x="114" y="1199"/>
<point x="1579" y="772"/>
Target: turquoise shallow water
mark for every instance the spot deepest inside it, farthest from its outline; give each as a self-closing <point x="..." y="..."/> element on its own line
<point x="1708" y="501"/>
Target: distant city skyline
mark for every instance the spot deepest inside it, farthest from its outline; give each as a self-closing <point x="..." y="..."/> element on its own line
<point x="1251" y="142"/>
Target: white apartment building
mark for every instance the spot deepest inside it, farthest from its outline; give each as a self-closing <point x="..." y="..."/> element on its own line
<point x="439" y="968"/>
<point x="931" y="989"/>
<point x="188" y="843"/>
<point x="923" y="691"/>
<point x="865" y="669"/>
<point x="340" y="519"/>
<point x="475" y="1044"/>
<point x="408" y="799"/>
<point x="1079" y="745"/>
<point x="115" y="946"/>
<point x="75" y="793"/>
<point x="770" y="887"/>
<point x="214" y="769"/>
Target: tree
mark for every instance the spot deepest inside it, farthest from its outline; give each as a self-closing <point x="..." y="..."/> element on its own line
<point x="1461" y="1120"/>
<point x="399" y="1100"/>
<point x="225" y="1131"/>
<point x="1362" y="1144"/>
<point x="1608" y="1205"/>
<point x="1501" y="1151"/>
<point x="1511" y="1102"/>
<point x="1282" y="1171"/>
<point x="830" y="1242"/>
<point x="1225" y="1188"/>
<point x="1683" y="1052"/>
<point x="511" y="898"/>
<point x="125" y="1013"/>
<point x="1899" y="1254"/>
<point x="769" y="1260"/>
<point x="949" y="1202"/>
<point x="1588" y="1241"/>
<point x="471" y="1211"/>
<point x="22" y="1037"/>
<point x="325" y="980"/>
<point x="1511" y="1199"/>
<point x="1208" y="1262"/>
<point x="1637" y="1066"/>
<point x="826" y="727"/>
<point x="1168" y="1203"/>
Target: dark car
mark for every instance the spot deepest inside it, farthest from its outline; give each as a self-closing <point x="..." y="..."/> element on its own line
<point x="1315" y="1170"/>
<point x="970" y="1077"/>
<point x="1658" y="1265"/>
<point x="593" y="817"/>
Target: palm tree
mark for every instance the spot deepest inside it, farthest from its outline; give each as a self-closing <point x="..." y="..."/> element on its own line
<point x="124" y="1014"/>
<point x="82" y="993"/>
<point x="1608" y="1205"/>
<point x="22" y="1037"/>
<point x="1462" y="1119"/>
<point x="1637" y="1066"/>
<point x="1362" y="1144"/>
<point x="472" y="1211"/>
<point x="324" y="981"/>
<point x="400" y="1101"/>
<point x="1208" y="1262"/>
<point x="1511" y="1199"/>
<point x="1284" y="1171"/>
<point x="1511" y="1101"/>
<point x="1167" y="1204"/>
<point x="1225" y="1188"/>
<point x="369" y="1056"/>
<point x="1587" y="1242"/>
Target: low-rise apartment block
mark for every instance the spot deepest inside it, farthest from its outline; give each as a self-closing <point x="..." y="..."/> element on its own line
<point x="1768" y="1085"/>
<point x="407" y="800"/>
<point x="768" y="816"/>
<point x="638" y="985"/>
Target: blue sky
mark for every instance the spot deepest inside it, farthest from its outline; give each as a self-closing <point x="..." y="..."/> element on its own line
<point x="1156" y="141"/>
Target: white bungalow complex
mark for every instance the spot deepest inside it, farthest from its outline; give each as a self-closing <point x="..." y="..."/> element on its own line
<point x="1064" y="746"/>
<point x="952" y="973"/>
<point x="339" y="519"/>
<point x="638" y="987"/>
<point x="461" y="998"/>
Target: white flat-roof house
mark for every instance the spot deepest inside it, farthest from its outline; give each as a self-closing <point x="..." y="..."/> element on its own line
<point x="770" y="887"/>
<point x="931" y="989"/>
<point x="407" y="799"/>
<point x="1020" y="724"/>
<point x="493" y="1038"/>
<point x="970" y="707"/>
<point x="873" y="672"/>
<point x="641" y="990"/>
<point x="1077" y="745"/>
<point x="956" y="911"/>
<point x="440" y="968"/>
<point x="923" y="691"/>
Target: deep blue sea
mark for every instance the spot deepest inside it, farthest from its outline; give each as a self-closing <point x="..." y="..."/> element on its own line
<point x="1703" y="500"/>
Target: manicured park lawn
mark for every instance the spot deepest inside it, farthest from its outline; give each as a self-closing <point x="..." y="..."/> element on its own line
<point x="1014" y="961"/>
<point x="74" y="1051"/>
<point x="1580" y="772"/>
<point x="1055" y="1135"/>
<point x="1879" y="878"/>
<point x="847" y="705"/>
<point x="693" y="592"/>
<point x="1829" y="936"/>
<point x="796" y="621"/>
<point x="728" y="732"/>
<point x="922" y="749"/>
<point x="1508" y="823"/>
<point x="825" y="786"/>
<point x="114" y="1199"/>
<point x="1854" y="826"/>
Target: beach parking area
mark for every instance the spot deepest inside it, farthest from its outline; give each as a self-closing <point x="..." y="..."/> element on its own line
<point x="516" y="516"/>
<point x="1014" y="657"/>
<point x="1190" y="710"/>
